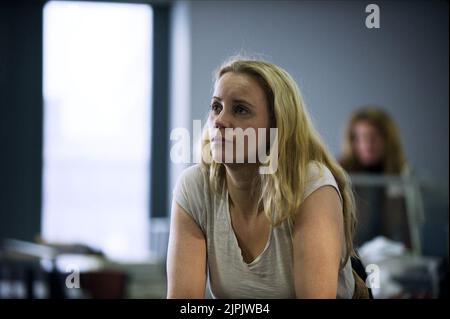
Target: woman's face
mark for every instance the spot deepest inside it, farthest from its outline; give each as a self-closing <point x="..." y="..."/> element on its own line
<point x="238" y="102"/>
<point x="368" y="144"/>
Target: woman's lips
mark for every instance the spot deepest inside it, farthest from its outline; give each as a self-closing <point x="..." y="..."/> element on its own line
<point x="218" y="139"/>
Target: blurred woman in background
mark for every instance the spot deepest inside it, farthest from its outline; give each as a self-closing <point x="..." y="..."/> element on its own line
<point x="372" y="145"/>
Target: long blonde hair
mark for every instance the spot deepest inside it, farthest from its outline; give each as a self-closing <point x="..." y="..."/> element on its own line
<point x="298" y="144"/>
<point x="394" y="161"/>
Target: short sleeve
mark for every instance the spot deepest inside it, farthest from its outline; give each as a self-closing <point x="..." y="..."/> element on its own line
<point x="189" y="193"/>
<point x="319" y="175"/>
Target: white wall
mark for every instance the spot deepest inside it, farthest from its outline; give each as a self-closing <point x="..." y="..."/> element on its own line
<point x="338" y="63"/>
<point x="180" y="78"/>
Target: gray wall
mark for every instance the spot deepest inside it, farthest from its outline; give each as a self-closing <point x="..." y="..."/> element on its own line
<point x="338" y="63"/>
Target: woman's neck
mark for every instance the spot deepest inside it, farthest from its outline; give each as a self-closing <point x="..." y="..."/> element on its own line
<point x="241" y="189"/>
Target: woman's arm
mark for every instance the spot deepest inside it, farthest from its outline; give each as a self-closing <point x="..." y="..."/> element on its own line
<point x="186" y="257"/>
<point x="318" y="240"/>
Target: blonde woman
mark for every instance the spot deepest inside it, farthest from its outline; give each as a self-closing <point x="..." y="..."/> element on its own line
<point x="286" y="234"/>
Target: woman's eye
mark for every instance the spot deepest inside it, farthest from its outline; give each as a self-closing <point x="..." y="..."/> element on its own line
<point x="215" y="107"/>
<point x="239" y="109"/>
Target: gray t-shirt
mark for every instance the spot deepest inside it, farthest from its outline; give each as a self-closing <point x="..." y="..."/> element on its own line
<point x="270" y="275"/>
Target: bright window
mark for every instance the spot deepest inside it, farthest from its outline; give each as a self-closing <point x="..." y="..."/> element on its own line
<point x="97" y="97"/>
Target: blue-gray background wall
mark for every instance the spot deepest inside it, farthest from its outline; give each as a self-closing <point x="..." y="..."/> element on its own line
<point x="338" y="63"/>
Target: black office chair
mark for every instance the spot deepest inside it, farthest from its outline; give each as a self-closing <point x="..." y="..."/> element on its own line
<point x="359" y="269"/>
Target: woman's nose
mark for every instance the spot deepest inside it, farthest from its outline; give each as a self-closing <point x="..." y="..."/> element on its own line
<point x="222" y="120"/>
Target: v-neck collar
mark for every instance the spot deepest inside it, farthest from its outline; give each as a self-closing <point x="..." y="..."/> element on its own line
<point x="230" y="225"/>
